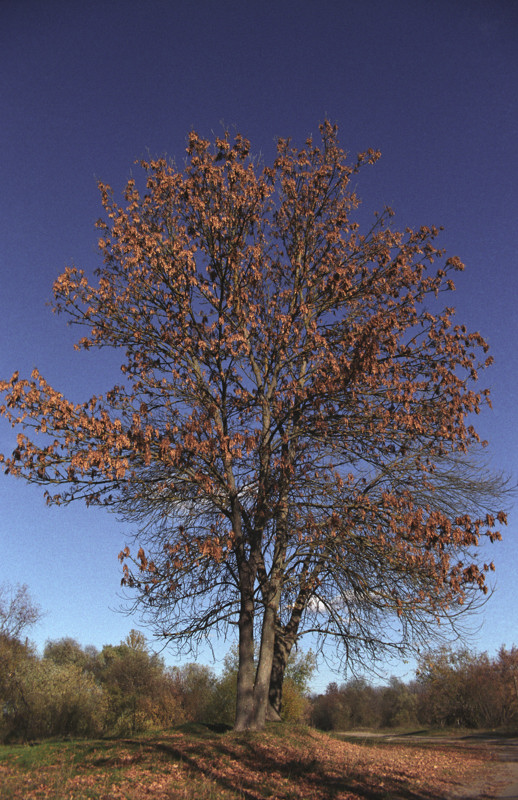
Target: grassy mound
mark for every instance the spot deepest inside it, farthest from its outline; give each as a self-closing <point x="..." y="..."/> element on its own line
<point x="200" y="763"/>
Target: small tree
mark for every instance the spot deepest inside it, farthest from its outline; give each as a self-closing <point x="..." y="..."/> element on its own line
<point x="458" y="687"/>
<point x="68" y="651"/>
<point x="14" y="658"/>
<point x="329" y="711"/>
<point x="505" y="675"/>
<point x="132" y="677"/>
<point x="299" y="671"/>
<point x="449" y="690"/>
<point x="291" y="436"/>
<point x="17" y="610"/>
<point x="398" y="704"/>
<point x="40" y="697"/>
<point x="198" y="686"/>
<point x="295" y="705"/>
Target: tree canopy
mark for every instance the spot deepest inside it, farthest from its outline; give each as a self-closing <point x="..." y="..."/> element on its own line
<point x="292" y="436"/>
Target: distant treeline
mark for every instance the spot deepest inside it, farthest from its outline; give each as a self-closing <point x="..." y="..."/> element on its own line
<point x="123" y="689"/>
<point x="453" y="688"/>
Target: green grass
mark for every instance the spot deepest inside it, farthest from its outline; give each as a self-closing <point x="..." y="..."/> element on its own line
<point x="33" y="756"/>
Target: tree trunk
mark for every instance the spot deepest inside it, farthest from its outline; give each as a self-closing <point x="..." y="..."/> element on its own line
<point x="264" y="669"/>
<point x="252" y="707"/>
<point x="285" y="638"/>
<point x="281" y="654"/>
<point x="245" y="672"/>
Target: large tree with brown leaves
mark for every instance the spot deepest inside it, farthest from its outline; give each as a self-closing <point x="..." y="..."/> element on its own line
<point x="292" y="434"/>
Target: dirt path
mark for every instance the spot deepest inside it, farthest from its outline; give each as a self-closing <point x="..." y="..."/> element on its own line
<point x="501" y="782"/>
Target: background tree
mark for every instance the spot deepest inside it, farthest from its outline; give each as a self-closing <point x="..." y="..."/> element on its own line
<point x="505" y="678"/>
<point x="398" y="705"/>
<point x="295" y="708"/>
<point x="467" y="689"/>
<point x="451" y="690"/>
<point x="14" y="657"/>
<point x="69" y="651"/>
<point x="141" y="694"/>
<point x="329" y="711"/>
<point x="17" y="610"/>
<point x="197" y="684"/>
<point x="299" y="671"/>
<point x="41" y="698"/>
<point x="296" y="402"/>
<point x="223" y="705"/>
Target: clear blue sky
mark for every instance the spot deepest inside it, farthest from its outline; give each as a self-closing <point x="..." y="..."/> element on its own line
<point x="89" y="87"/>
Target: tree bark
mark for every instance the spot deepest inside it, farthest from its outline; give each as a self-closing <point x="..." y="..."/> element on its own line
<point x="285" y="638"/>
<point x="281" y="654"/>
<point x="252" y="707"/>
<point x="264" y="669"/>
<point x="245" y="672"/>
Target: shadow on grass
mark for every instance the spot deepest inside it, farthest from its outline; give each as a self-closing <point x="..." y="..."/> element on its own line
<point x="254" y="766"/>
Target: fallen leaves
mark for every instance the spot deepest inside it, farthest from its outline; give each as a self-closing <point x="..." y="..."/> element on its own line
<point x="281" y="763"/>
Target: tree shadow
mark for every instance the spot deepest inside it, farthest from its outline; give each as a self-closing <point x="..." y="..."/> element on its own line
<point x="260" y="769"/>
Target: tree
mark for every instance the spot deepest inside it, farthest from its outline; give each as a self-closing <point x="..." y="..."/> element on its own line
<point x="17" y="610"/>
<point x="133" y="677"/>
<point x="68" y="651"/>
<point x="330" y="711"/>
<point x="14" y="658"/>
<point x="198" y="688"/>
<point x="398" y="704"/>
<point x="458" y="687"/>
<point x="299" y="671"/>
<point x="455" y="688"/>
<point x="505" y="676"/>
<point x="295" y="706"/>
<point x="295" y="406"/>
<point x="41" y="697"/>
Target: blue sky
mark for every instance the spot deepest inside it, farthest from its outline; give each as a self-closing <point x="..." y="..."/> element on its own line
<point x="88" y="88"/>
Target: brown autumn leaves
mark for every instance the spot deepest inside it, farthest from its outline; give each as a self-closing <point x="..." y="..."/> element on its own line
<point x="308" y="764"/>
<point x="292" y="436"/>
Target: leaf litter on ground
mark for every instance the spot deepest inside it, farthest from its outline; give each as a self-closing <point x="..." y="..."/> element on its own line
<point x="199" y="764"/>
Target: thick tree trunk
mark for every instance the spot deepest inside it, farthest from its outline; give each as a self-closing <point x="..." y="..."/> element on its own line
<point x="246" y="669"/>
<point x="264" y="669"/>
<point x="253" y="708"/>
<point x="285" y="638"/>
<point x="281" y="654"/>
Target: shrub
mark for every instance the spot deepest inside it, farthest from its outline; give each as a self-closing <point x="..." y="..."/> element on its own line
<point x="41" y="698"/>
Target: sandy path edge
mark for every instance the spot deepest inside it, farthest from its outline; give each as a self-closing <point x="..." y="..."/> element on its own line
<point x="501" y="782"/>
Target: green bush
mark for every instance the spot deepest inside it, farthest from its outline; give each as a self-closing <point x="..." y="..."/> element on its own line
<point x="41" y="698"/>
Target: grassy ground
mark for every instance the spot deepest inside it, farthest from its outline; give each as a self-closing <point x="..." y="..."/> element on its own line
<point x="197" y="763"/>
